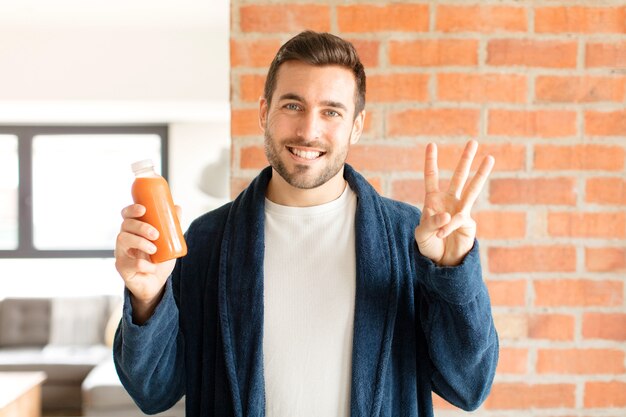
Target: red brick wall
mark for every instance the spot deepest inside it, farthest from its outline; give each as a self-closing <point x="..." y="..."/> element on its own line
<point x="542" y="86"/>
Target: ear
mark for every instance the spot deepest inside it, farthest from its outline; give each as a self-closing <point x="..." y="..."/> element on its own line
<point x="357" y="127"/>
<point x="263" y="108"/>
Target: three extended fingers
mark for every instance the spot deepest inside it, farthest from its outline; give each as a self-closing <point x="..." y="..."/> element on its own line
<point x="446" y="223"/>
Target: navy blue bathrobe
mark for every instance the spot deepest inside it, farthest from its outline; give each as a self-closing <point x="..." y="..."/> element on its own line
<point x="418" y="327"/>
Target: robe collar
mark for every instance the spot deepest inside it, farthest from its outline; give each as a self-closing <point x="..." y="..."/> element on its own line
<point x="240" y="297"/>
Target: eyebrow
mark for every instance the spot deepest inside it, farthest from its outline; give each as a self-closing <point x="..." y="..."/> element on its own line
<point x="329" y="103"/>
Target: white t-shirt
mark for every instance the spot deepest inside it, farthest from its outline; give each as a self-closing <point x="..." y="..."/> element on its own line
<point x="309" y="296"/>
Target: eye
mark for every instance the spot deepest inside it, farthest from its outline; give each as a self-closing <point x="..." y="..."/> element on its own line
<point x="292" y="106"/>
<point x="333" y="113"/>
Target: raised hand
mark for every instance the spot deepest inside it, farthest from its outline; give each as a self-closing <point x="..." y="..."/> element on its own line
<point x="447" y="231"/>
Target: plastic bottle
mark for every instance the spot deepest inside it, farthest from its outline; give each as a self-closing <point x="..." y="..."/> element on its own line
<point x="151" y="191"/>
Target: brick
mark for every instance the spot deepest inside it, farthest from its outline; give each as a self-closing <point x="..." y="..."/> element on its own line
<point x="485" y="19"/>
<point x="441" y="404"/>
<point x="272" y="18"/>
<point x="600" y="394"/>
<point x="511" y="326"/>
<point x="532" y="259"/>
<point x="408" y="190"/>
<point x="373" y="120"/>
<point x="237" y="185"/>
<point x="433" y="122"/>
<point x="610" y="326"/>
<point x="532" y="123"/>
<point x="512" y="361"/>
<point x="580" y="20"/>
<point x="605" y="123"/>
<point x="533" y="191"/>
<point x="584" y="89"/>
<point x="605" y="259"/>
<point x="392" y="87"/>
<point x="532" y="53"/>
<point x="580" y="361"/>
<point x="500" y="224"/>
<point x="377" y="183"/>
<point x="578" y="293"/>
<point x="508" y="157"/>
<point x="517" y="395"/>
<point x="253" y="52"/>
<point x="434" y="52"/>
<point x="592" y="225"/>
<point x="606" y="190"/>
<point x="368" y="51"/>
<point x="387" y="158"/>
<point x="251" y="87"/>
<point x="606" y="54"/>
<point x="253" y="157"/>
<point x="391" y="17"/>
<point x="556" y="327"/>
<point x="579" y="157"/>
<point x="507" y="293"/>
<point x="244" y="122"/>
<point x="482" y="88"/>
<point x="413" y="191"/>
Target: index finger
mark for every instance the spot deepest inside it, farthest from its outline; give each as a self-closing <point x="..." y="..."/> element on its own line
<point x="133" y="211"/>
<point x="431" y="171"/>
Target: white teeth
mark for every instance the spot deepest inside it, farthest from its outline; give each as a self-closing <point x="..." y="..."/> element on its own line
<point x="305" y="154"/>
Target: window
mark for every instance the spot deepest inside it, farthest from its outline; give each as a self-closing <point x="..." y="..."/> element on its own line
<point x="8" y="192"/>
<point x="65" y="186"/>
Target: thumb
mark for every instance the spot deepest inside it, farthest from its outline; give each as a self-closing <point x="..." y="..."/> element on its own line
<point x="430" y="224"/>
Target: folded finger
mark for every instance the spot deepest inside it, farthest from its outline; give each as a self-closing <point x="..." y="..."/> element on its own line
<point x="457" y="221"/>
<point x="133" y="211"/>
<point x="430" y="225"/>
<point x="131" y="267"/>
<point x="127" y="241"/>
<point x="139" y="228"/>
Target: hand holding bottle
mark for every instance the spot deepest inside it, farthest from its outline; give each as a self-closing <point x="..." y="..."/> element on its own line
<point x="149" y="241"/>
<point x="144" y="279"/>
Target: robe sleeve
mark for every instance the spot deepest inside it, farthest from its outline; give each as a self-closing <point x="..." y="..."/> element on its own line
<point x="149" y="358"/>
<point x="456" y="319"/>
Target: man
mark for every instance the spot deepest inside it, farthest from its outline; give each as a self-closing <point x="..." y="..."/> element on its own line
<point x="311" y="295"/>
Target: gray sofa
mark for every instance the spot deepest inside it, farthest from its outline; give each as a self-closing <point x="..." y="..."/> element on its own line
<point x="70" y="340"/>
<point x="104" y="396"/>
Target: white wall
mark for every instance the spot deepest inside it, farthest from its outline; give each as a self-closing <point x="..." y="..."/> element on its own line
<point x="114" y="61"/>
<point x="99" y="63"/>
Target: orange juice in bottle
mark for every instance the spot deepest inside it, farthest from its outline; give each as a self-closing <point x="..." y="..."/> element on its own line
<point x="151" y="191"/>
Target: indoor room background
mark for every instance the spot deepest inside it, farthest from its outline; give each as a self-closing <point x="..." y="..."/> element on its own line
<point x="540" y="84"/>
<point x="112" y="63"/>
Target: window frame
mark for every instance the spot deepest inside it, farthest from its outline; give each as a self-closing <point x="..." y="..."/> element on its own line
<point x="25" y="134"/>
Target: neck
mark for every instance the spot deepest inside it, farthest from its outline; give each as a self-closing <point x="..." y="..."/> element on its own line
<point x="281" y="192"/>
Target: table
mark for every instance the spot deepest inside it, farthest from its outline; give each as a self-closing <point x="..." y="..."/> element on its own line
<point x="20" y="394"/>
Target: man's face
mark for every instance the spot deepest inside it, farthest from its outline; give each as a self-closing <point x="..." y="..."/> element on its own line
<point x="310" y="124"/>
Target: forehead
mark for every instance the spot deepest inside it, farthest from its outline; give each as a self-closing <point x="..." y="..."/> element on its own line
<point x="316" y="83"/>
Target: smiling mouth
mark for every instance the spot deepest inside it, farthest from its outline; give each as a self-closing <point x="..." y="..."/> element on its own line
<point x="309" y="155"/>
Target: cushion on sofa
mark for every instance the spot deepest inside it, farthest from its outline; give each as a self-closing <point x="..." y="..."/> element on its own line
<point x="24" y="322"/>
<point x="75" y="326"/>
<point x="61" y="364"/>
<point x="104" y="395"/>
<point x="78" y="321"/>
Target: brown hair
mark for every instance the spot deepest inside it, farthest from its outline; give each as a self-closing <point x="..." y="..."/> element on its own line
<point x="319" y="49"/>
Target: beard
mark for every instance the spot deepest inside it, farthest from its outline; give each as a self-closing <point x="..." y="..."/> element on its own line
<point x="303" y="176"/>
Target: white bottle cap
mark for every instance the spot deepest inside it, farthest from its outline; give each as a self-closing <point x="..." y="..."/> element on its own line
<point x="141" y="165"/>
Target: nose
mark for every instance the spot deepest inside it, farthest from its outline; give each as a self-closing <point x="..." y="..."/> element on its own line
<point x="309" y="126"/>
